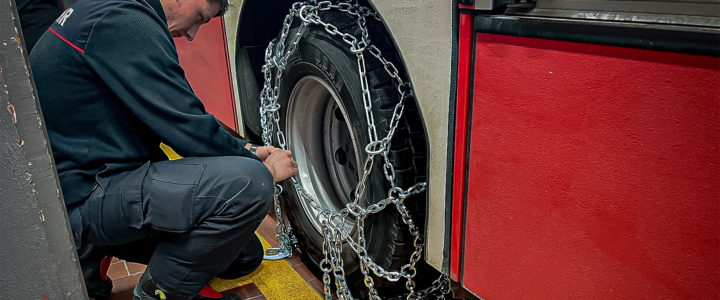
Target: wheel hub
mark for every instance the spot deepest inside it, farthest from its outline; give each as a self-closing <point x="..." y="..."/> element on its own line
<point x="324" y="148"/>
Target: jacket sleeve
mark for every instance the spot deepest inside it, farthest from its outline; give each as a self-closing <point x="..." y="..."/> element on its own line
<point x="133" y="53"/>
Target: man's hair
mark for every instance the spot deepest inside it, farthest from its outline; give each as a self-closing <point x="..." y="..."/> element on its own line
<point x="223" y="7"/>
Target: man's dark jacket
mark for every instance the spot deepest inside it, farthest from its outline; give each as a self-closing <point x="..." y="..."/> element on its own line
<point x="111" y="89"/>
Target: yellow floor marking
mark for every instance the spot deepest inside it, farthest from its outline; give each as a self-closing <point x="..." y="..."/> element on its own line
<point x="277" y="280"/>
<point x="171" y="154"/>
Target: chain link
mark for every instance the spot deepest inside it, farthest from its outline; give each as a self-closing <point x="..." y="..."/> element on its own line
<point x="332" y="222"/>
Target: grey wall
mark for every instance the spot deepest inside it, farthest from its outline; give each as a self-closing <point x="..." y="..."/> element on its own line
<point x="37" y="256"/>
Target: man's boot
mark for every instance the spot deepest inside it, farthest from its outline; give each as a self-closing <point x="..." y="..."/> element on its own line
<point x="148" y="289"/>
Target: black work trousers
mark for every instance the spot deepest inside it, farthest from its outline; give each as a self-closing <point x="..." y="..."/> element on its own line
<point x="189" y="220"/>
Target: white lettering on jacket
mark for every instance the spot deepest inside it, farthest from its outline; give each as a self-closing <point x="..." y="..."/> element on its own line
<point x="62" y="18"/>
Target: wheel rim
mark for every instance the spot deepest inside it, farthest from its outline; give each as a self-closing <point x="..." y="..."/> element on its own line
<point x="324" y="148"/>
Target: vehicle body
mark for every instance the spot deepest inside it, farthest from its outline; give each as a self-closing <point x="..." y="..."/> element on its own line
<point x="574" y="148"/>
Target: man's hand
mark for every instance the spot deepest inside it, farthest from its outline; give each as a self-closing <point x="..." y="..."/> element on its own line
<point x="264" y="151"/>
<point x="281" y="164"/>
<point x="278" y="161"/>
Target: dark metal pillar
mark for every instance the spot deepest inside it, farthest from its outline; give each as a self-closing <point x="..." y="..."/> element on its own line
<point x="37" y="256"/>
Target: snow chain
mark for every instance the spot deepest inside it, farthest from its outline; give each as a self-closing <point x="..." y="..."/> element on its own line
<point x="276" y="58"/>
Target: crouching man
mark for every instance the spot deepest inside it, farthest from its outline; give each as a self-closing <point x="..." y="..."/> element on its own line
<point x="111" y="89"/>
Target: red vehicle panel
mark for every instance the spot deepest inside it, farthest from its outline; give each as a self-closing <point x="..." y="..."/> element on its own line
<point x="461" y="127"/>
<point x="203" y="60"/>
<point x="593" y="172"/>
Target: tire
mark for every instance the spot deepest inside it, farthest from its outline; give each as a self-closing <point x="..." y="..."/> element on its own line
<point x="323" y="117"/>
<point x="249" y="94"/>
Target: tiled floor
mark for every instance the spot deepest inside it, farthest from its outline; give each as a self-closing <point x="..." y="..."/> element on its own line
<point x="125" y="275"/>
